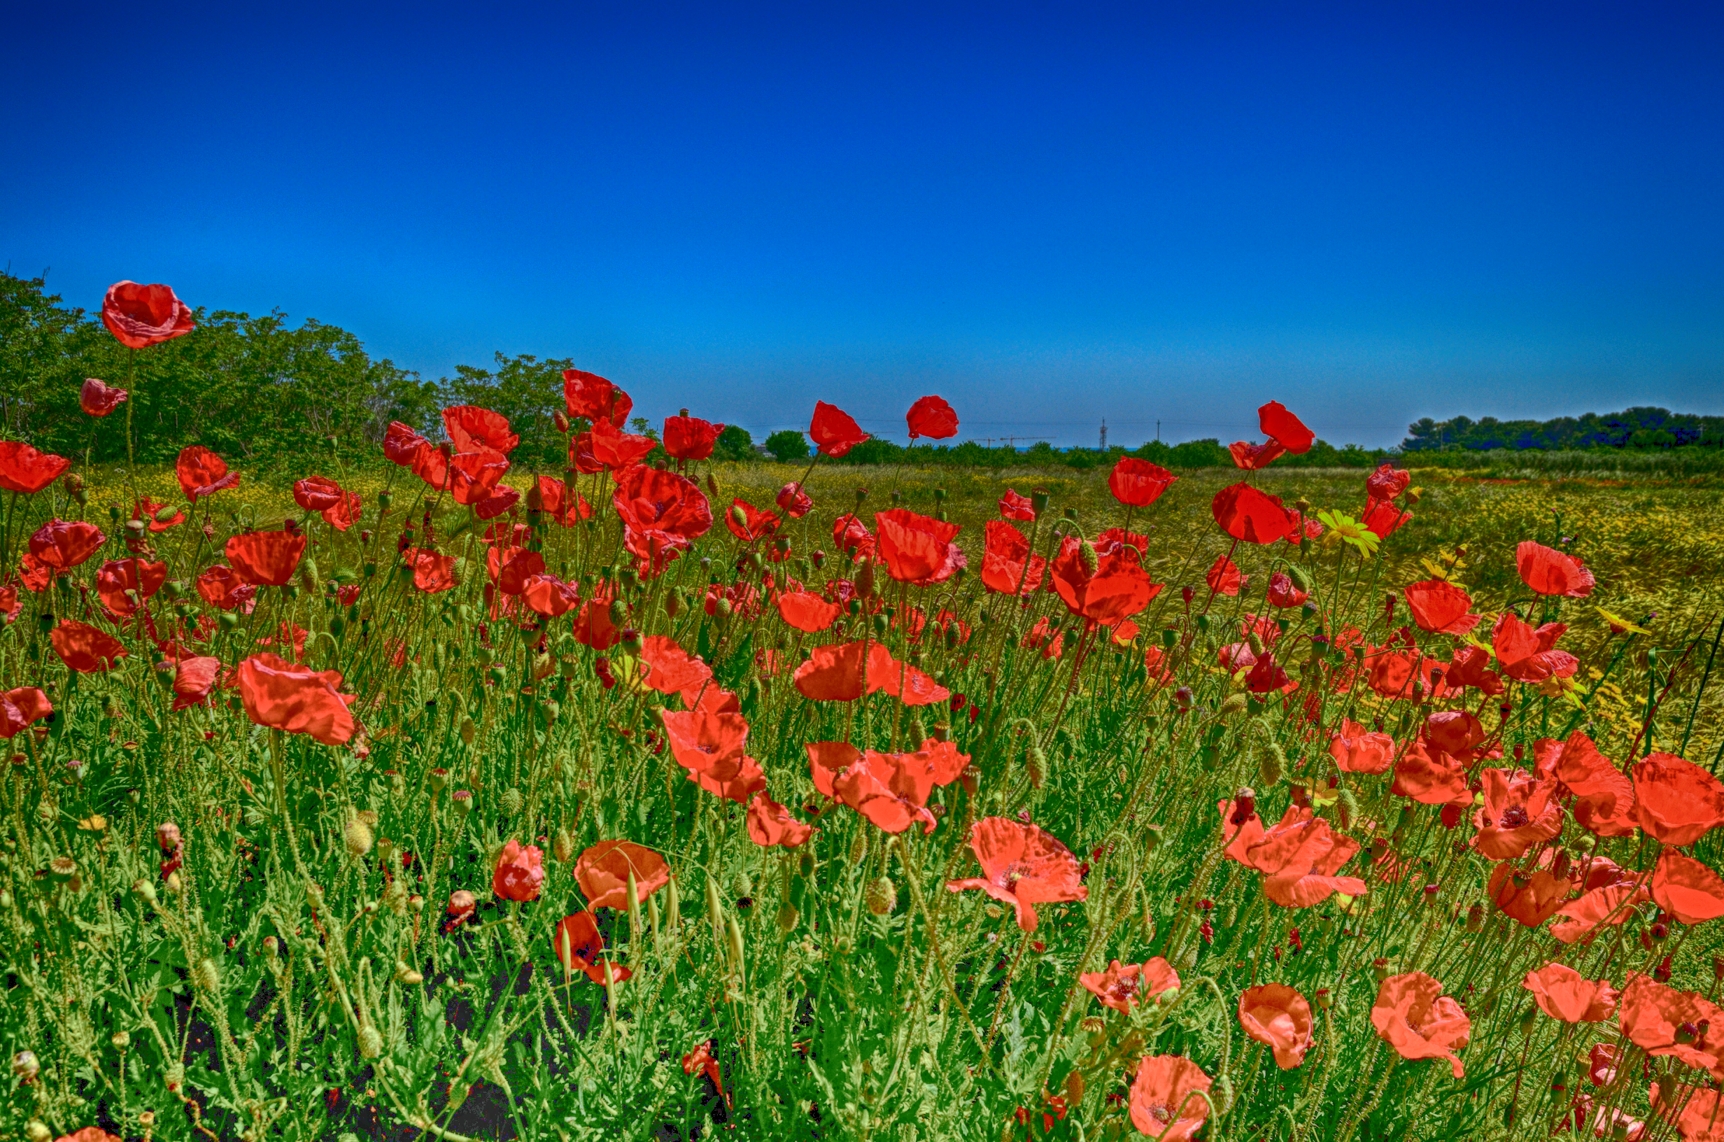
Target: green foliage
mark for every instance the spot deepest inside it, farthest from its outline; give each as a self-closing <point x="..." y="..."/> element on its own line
<point x="734" y="444"/>
<point x="787" y="445"/>
<point x="1641" y="428"/>
<point x="526" y="390"/>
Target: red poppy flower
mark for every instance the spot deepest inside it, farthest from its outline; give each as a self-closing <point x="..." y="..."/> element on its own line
<point x="748" y="523"/>
<point x="1110" y="591"/>
<point x="1123" y="985"/>
<point x="1453" y="731"/>
<point x="1166" y="1098"/>
<point x="1603" y="794"/>
<point x="88" y="1134"/>
<point x="1357" y="750"/>
<point x="1253" y="457"/>
<point x="1014" y="506"/>
<point x="649" y="500"/>
<point x="1250" y="515"/>
<point x="20" y="707"/>
<point x="1693" y="1110"/>
<point x="1022" y="866"/>
<point x="833" y="673"/>
<point x="1529" y="899"/>
<point x="900" y="680"/>
<point x="1440" y="606"/>
<point x="770" y="823"/>
<point x="221" y="586"/>
<point x="605" y="448"/>
<point x="807" y="612"/>
<point x="1676" y="801"/>
<point x="689" y="437"/>
<point x="63" y="544"/>
<point x="98" y="398"/>
<point x="603" y="870"/>
<point x="519" y="872"/>
<point x="710" y="746"/>
<point x="549" y="596"/>
<point x="833" y="431"/>
<point x="1136" y="483"/>
<point x="401" y="445"/>
<point x="670" y="668"/>
<point x="1563" y="993"/>
<point x="1551" y="572"/>
<point x="1274" y="420"/>
<point x="473" y="476"/>
<point x="850" y="534"/>
<point x="1299" y="857"/>
<point x="1383" y="519"/>
<point x="117" y="577"/>
<point x="23" y="469"/>
<point x="1653" y="1016"/>
<point x="432" y="571"/>
<point x="84" y="648"/>
<point x="917" y="549"/>
<point x="511" y="567"/>
<point x="700" y="1060"/>
<point x="1415" y="1018"/>
<point x="146" y="510"/>
<point x="280" y="695"/>
<point x="557" y="500"/>
<point x="143" y="315"/>
<point x="591" y="396"/>
<point x="1529" y="655"/>
<point x="579" y="946"/>
<point x="1430" y="778"/>
<point x="1520" y="811"/>
<point x="1278" y="1017"/>
<point x="932" y="417"/>
<point x="1004" y="554"/>
<point x="1224" y="577"/>
<point x="1284" y="593"/>
<point x="266" y="558"/>
<point x="194" y="678"/>
<point x="203" y="473"/>
<point x="592" y="624"/>
<point x="1687" y="889"/>
<point x="1609" y="906"/>
<point x="793" y="501"/>
<point x="316" y="493"/>
<point x="475" y="429"/>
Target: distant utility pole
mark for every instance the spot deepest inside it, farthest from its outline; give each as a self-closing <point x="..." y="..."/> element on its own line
<point x="1158" y="428"/>
<point x="1104" y="434"/>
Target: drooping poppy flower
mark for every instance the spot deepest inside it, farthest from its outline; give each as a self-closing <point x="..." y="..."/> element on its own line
<point x="1529" y="655"/>
<point x="266" y="558"/>
<point x="1520" y="811"/>
<point x="549" y="596"/>
<point x="1693" y="1109"/>
<point x="579" y="946"/>
<point x="917" y="549"/>
<point x="1224" y="577"/>
<point x="221" y="586"/>
<point x="1249" y="515"/>
<point x="1527" y="898"/>
<point x="194" y="678"/>
<point x="25" y="470"/>
<point x="1123" y="985"/>
<point x="1288" y="430"/>
<point x="932" y="417"/>
<point x="833" y="431"/>
<point x="608" y="448"/>
<point x="700" y="1061"/>
<point x="1470" y="667"/>
<point x="1254" y="457"/>
<point x="202" y="473"/>
<point x="1114" y="588"/>
<point x="1358" y="750"/>
<point x="1661" y="1021"/>
<point x="648" y="500"/>
<point x="1676" y="801"/>
<point x="1166" y="1098"/>
<point x="793" y="501"/>
<point x="519" y="873"/>
<point x="770" y="823"/>
<point x="123" y="584"/>
<point x="1284" y="593"/>
<point x="1383" y="519"/>
<point x="284" y="696"/>
<point x="1551" y="572"/>
<point x="1609" y="906"/>
<point x="670" y="668"/>
<point x="147" y="510"/>
<point x="1278" y="1017"/>
<point x="1603" y="794"/>
<point x="1563" y="993"/>
<point x="1023" y="866"/>
<point x="807" y="612"/>
<point x="98" y="398"/>
<point x="1430" y="777"/>
<point x="401" y="445"/>
<point x="603" y="871"/>
<point x="710" y="746"/>
<point x="84" y="648"/>
<point x="1440" y="606"/>
<point x="1136" y="483"/>
<point x="563" y="504"/>
<point x="1004" y="556"/>
<point x="689" y="437"/>
<point x="316" y="493"/>
<point x="1414" y="1017"/>
<point x="1300" y="857"/>
<point x="590" y="395"/>
<point x="20" y="707"/>
<point x="1687" y="889"/>
<point x="61" y="544"/>
<point x="475" y="429"/>
<point x="749" y="523"/>
<point x="143" y="315"/>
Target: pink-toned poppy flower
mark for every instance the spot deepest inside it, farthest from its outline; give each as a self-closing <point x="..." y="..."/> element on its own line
<point x="519" y="873"/>
<point x="1278" y="1017"/>
<point x="98" y="398"/>
<point x="1168" y="1100"/>
<point x="603" y="871"/>
<point x="284" y="696"/>
<point x="143" y="315"/>
<point x="1415" y="1018"/>
<point x="1123" y="985"/>
<point x="1563" y="993"/>
<point x="1023" y="866"/>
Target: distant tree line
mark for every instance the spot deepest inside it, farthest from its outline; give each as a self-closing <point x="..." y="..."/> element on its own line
<point x="270" y="394"/>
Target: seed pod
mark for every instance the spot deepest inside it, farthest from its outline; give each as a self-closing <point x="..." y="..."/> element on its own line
<point x="882" y="896"/>
<point x="734" y="932"/>
<point x="1301" y="578"/>
<point x="805" y="864"/>
<point x="787" y="917"/>
<point x="26" y="1066"/>
<point x="370" y="1042"/>
<point x="1529" y="1020"/>
<point x="1234" y="705"/>
<point x="356" y="837"/>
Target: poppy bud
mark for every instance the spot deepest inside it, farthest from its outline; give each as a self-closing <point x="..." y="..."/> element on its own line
<point x="1244" y="805"/>
<point x="1380" y="969"/>
<point x="26" y="1066"/>
<point x="1475" y="917"/>
<point x="561" y="420"/>
<point x="463" y="800"/>
<point x="1152" y="838"/>
<point x="356" y="838"/>
<point x="37" y="1131"/>
<point x="865" y="580"/>
<point x="168" y="836"/>
<point x="882" y="896"/>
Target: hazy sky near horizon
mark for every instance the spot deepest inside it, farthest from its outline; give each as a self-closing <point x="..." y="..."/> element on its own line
<point x="1047" y="214"/>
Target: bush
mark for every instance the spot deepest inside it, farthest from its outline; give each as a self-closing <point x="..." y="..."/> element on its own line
<point x="733" y="443"/>
<point x="787" y="445"/>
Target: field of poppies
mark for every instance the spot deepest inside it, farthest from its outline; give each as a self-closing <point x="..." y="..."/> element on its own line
<point x="659" y="799"/>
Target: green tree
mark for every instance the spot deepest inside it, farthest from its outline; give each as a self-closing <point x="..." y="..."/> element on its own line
<point x="734" y="443"/>
<point x="787" y="445"/>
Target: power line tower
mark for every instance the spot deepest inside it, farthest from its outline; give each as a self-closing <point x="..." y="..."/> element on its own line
<point x="1104" y="434"/>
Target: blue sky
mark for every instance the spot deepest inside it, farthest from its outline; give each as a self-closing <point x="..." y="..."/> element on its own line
<point x="1048" y="214"/>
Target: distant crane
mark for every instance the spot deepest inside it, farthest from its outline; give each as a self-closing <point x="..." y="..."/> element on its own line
<point x="1104" y="434"/>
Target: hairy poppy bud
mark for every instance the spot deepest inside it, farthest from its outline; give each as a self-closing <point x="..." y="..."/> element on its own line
<point x="787" y="917"/>
<point x="1087" y="555"/>
<point x="37" y="1131"/>
<point x="712" y="484"/>
<point x="207" y="975"/>
<point x="26" y="1066"/>
<point x="1346" y="808"/>
<point x="1475" y="917"/>
<point x="1222" y="1093"/>
<point x="511" y="801"/>
<point x="563" y="846"/>
<point x="882" y="896"/>
<point x="1271" y="764"/>
<point x="561" y="420"/>
<point x="370" y="1042"/>
<point x="356" y="837"/>
<point x="865" y="580"/>
<point x="168" y="836"/>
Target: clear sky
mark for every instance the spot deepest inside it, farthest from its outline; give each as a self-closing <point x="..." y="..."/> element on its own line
<point x="1048" y="214"/>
